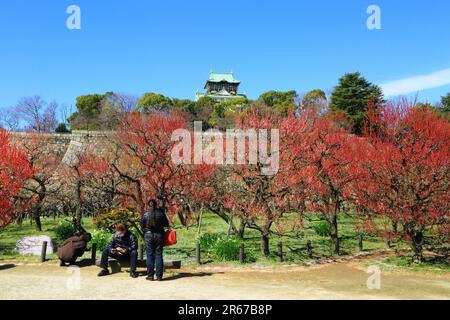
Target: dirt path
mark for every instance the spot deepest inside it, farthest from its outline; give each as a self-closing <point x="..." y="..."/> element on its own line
<point x="334" y="281"/>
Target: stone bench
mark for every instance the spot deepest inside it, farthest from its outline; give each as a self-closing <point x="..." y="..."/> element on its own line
<point x="117" y="265"/>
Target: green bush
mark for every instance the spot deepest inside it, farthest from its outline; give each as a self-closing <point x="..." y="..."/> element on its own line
<point x="137" y="233"/>
<point x="322" y="228"/>
<point x="62" y="128"/>
<point x="222" y="248"/>
<point x="64" y="230"/>
<point x="107" y="220"/>
<point x="250" y="254"/>
<point x="208" y="240"/>
<point x="226" y="249"/>
<point x="100" y="238"/>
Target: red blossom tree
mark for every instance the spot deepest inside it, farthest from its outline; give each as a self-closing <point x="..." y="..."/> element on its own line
<point x="323" y="165"/>
<point x="260" y="200"/>
<point x="41" y="186"/>
<point x="143" y="164"/>
<point x="87" y="182"/>
<point x="139" y="166"/>
<point x="194" y="192"/>
<point x="14" y="172"/>
<point x="408" y="171"/>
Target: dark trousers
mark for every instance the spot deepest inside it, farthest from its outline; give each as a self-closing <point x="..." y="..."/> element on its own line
<point x="131" y="256"/>
<point x="154" y="246"/>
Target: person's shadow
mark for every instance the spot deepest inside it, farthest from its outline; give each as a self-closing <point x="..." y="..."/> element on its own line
<point x="82" y="263"/>
<point x="7" y="266"/>
<point x="189" y="275"/>
<point x="181" y="275"/>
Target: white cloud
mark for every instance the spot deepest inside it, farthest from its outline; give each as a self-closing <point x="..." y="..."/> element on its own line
<point x="417" y="83"/>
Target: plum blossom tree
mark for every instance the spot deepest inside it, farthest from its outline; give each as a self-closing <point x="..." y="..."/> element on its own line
<point x="14" y="172"/>
<point x="408" y="170"/>
<point x="40" y="186"/>
<point x="322" y="164"/>
<point x="260" y="200"/>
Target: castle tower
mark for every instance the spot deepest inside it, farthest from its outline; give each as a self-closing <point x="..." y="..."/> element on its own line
<point x="221" y="87"/>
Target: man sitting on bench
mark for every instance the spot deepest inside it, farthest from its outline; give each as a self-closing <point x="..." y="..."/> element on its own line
<point x="122" y="247"/>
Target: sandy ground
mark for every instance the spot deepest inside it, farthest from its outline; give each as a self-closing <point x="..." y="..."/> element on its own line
<point x="333" y="281"/>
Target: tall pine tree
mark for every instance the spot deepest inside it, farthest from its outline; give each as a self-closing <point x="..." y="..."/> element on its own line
<point x="352" y="97"/>
<point x="446" y="103"/>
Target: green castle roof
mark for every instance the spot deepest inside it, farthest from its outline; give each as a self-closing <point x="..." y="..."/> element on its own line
<point x="219" y="77"/>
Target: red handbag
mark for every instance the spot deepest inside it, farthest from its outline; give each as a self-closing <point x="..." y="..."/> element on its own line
<point x="170" y="238"/>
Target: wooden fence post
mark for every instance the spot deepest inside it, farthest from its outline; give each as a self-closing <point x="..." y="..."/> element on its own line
<point x="241" y="253"/>
<point x="94" y="253"/>
<point x="309" y="249"/>
<point x="197" y="253"/>
<point x="280" y="252"/>
<point x="44" y="251"/>
<point x="360" y="243"/>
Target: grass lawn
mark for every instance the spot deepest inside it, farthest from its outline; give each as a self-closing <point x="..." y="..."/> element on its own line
<point x="404" y="263"/>
<point x="14" y="232"/>
<point x="294" y="243"/>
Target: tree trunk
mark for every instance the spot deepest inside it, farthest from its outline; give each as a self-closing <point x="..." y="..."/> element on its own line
<point x="200" y="220"/>
<point x="265" y="244"/>
<point x="37" y="217"/>
<point x="78" y="213"/>
<point x="280" y="255"/>
<point x="37" y="221"/>
<point x="182" y="219"/>
<point x="225" y="217"/>
<point x="230" y="222"/>
<point x="334" y="233"/>
<point x="417" y="246"/>
<point x="241" y="231"/>
<point x="20" y="220"/>
<point x="394" y="227"/>
<point x="309" y="249"/>
<point x="389" y="240"/>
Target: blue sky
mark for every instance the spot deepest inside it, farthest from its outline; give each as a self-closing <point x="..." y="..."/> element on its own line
<point x="170" y="46"/>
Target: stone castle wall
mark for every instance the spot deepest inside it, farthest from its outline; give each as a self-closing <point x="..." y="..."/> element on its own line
<point x="67" y="145"/>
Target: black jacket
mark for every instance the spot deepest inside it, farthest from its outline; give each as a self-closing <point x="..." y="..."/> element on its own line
<point x="161" y="221"/>
<point x="128" y="242"/>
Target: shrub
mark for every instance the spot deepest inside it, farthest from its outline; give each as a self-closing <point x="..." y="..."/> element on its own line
<point x="137" y="233"/>
<point x="100" y="238"/>
<point x="222" y="248"/>
<point x="64" y="230"/>
<point x="208" y="240"/>
<point x="322" y="228"/>
<point x="250" y="254"/>
<point x="226" y="249"/>
<point x="62" y="128"/>
<point x="108" y="220"/>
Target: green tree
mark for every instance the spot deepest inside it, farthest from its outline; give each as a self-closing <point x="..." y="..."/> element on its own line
<point x="110" y="109"/>
<point x="89" y="108"/>
<point x="315" y="100"/>
<point x="224" y="113"/>
<point x="184" y="105"/>
<point x="187" y="108"/>
<point x="62" y="128"/>
<point x="96" y="112"/>
<point x="89" y="105"/>
<point x="154" y="102"/>
<point x="445" y="101"/>
<point x="352" y="96"/>
<point x="203" y="110"/>
<point x="217" y="113"/>
<point x="281" y="101"/>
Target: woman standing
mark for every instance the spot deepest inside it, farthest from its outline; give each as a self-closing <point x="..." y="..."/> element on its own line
<point x="154" y="222"/>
